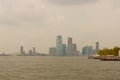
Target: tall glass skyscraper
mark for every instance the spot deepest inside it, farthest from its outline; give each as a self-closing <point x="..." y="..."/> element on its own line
<point x="22" y="51"/>
<point x="59" y="45"/>
<point x="97" y="47"/>
<point x="74" y="49"/>
<point x="69" y="47"/>
<point x="64" y="50"/>
<point x="34" y="50"/>
<point x="52" y="51"/>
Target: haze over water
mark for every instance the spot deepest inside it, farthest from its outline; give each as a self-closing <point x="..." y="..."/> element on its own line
<point x="57" y="68"/>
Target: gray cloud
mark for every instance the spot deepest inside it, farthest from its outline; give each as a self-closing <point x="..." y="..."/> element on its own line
<point x="70" y="2"/>
<point x="15" y="13"/>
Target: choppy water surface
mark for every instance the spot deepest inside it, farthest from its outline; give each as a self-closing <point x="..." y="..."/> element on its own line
<point x="57" y="68"/>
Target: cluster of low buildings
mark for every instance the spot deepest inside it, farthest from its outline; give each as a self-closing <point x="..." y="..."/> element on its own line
<point x="89" y="50"/>
<point x="31" y="52"/>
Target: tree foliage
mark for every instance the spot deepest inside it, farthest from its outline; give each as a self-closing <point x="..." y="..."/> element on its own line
<point x="106" y="51"/>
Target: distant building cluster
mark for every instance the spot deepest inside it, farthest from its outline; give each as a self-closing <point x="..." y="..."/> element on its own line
<point x="62" y="49"/>
<point x="30" y="52"/>
<point x="88" y="50"/>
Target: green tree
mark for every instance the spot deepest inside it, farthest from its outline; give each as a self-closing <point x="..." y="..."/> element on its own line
<point x="116" y="50"/>
<point x="107" y="51"/>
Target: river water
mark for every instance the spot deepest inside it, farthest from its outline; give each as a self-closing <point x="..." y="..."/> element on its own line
<point x="57" y="68"/>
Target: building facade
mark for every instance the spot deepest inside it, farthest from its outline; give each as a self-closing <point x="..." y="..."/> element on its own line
<point x="34" y="50"/>
<point x="87" y="50"/>
<point x="64" y="50"/>
<point x="74" y="49"/>
<point x="97" y="47"/>
<point x="22" y="52"/>
<point x="52" y="51"/>
<point x="69" y="47"/>
<point x="59" y="45"/>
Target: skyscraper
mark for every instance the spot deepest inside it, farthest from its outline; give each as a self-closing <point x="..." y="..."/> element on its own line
<point x="52" y="51"/>
<point x="30" y="52"/>
<point x="22" y="51"/>
<point x="74" y="49"/>
<point x="69" y="40"/>
<point x="97" y="47"/>
<point x="64" y="50"/>
<point x="87" y="50"/>
<point x="59" y="45"/>
<point x="69" y="47"/>
<point x="34" y="50"/>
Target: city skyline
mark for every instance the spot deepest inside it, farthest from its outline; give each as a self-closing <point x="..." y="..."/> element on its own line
<point x="91" y="50"/>
<point x="64" y="49"/>
<point x="36" y="23"/>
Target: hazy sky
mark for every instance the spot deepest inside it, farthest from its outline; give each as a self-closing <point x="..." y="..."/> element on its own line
<point x="38" y="22"/>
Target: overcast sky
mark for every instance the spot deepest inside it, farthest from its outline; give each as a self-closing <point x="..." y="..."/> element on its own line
<point x="38" y="22"/>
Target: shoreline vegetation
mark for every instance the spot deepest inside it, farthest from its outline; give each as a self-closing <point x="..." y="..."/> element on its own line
<point x="108" y="54"/>
<point x="106" y="51"/>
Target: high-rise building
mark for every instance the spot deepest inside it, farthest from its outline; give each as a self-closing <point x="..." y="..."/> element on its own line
<point x="64" y="50"/>
<point x="69" y="41"/>
<point x="34" y="50"/>
<point x="97" y="47"/>
<point x="59" y="45"/>
<point x="74" y="49"/>
<point x="69" y="47"/>
<point x="52" y="51"/>
<point x="30" y="52"/>
<point x="22" y="52"/>
<point x="87" y="50"/>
